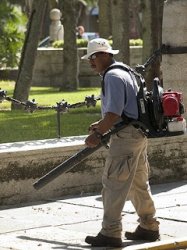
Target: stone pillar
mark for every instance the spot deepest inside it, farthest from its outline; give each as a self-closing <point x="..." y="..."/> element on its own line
<point x="174" y="33"/>
<point x="56" y="29"/>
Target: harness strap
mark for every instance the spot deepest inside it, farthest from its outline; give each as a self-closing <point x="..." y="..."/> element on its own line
<point x="126" y="120"/>
<point x="116" y="66"/>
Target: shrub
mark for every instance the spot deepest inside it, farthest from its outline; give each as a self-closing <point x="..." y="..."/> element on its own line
<point x="80" y="43"/>
<point x="136" y="42"/>
<point x="83" y="43"/>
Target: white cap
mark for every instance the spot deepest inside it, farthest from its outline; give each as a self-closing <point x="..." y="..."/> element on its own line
<point x="99" y="45"/>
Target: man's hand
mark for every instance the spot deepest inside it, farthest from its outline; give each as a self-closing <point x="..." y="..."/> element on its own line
<point x="93" y="139"/>
<point x="99" y="128"/>
<point x="93" y="127"/>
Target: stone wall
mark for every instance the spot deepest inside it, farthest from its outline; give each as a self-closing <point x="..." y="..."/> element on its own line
<point x="49" y="64"/>
<point x="23" y="163"/>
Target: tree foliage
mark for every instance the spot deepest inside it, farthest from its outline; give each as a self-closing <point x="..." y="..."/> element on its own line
<point x="11" y="36"/>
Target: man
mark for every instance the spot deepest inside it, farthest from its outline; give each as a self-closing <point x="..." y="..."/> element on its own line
<point x="126" y="169"/>
<point x="81" y="33"/>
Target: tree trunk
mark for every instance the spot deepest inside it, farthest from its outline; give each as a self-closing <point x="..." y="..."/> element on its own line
<point x="53" y="4"/>
<point x="152" y="39"/>
<point x="105" y="19"/>
<point x="70" y="56"/>
<point x="23" y="83"/>
<point x="120" y="29"/>
<point x="28" y="7"/>
<point x="135" y="22"/>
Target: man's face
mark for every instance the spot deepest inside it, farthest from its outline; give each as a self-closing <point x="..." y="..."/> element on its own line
<point x="99" y="61"/>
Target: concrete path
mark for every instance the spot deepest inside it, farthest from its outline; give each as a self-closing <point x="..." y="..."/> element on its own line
<point x="64" y="223"/>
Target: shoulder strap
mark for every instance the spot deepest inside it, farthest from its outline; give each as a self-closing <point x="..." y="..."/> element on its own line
<point x="115" y="66"/>
<point x="126" y="68"/>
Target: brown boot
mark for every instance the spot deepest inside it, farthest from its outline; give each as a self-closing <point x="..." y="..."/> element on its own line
<point x="143" y="234"/>
<point x="103" y="241"/>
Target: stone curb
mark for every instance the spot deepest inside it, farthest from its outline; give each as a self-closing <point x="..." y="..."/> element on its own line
<point x="179" y="243"/>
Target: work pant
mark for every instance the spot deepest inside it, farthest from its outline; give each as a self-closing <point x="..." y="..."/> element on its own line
<point x="125" y="177"/>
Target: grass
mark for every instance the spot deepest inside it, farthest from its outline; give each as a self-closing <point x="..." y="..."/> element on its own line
<point x="20" y="125"/>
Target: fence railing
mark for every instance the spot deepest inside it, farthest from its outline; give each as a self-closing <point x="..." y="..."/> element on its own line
<point x="60" y="107"/>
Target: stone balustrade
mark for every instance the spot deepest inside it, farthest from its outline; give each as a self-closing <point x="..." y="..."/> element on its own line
<point x="23" y="163"/>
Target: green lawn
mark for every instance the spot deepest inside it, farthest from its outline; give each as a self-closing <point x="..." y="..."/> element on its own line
<point x="21" y="125"/>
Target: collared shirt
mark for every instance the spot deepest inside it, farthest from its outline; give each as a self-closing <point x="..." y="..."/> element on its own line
<point x="120" y="88"/>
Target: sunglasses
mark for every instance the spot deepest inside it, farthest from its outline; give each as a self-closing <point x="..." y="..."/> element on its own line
<point x="95" y="55"/>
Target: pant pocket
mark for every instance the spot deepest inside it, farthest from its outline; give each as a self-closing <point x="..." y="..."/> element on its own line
<point x="119" y="168"/>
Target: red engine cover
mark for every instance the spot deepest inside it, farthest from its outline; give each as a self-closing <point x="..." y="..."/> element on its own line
<point x="170" y="103"/>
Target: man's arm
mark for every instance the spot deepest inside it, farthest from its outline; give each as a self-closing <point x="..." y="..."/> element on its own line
<point x="100" y="128"/>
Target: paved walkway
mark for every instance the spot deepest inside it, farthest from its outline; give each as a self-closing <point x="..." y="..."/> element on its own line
<point x="64" y="223"/>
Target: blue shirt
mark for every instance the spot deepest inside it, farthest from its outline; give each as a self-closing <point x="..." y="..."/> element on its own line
<point x="120" y="88"/>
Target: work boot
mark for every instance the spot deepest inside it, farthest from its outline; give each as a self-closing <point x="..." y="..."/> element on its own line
<point x="143" y="234"/>
<point x="103" y="241"/>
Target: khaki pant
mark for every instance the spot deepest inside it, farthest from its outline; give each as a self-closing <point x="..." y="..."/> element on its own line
<point x="125" y="177"/>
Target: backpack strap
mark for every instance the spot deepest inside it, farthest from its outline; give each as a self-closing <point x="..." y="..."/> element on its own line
<point x="126" y="68"/>
<point x="115" y="66"/>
